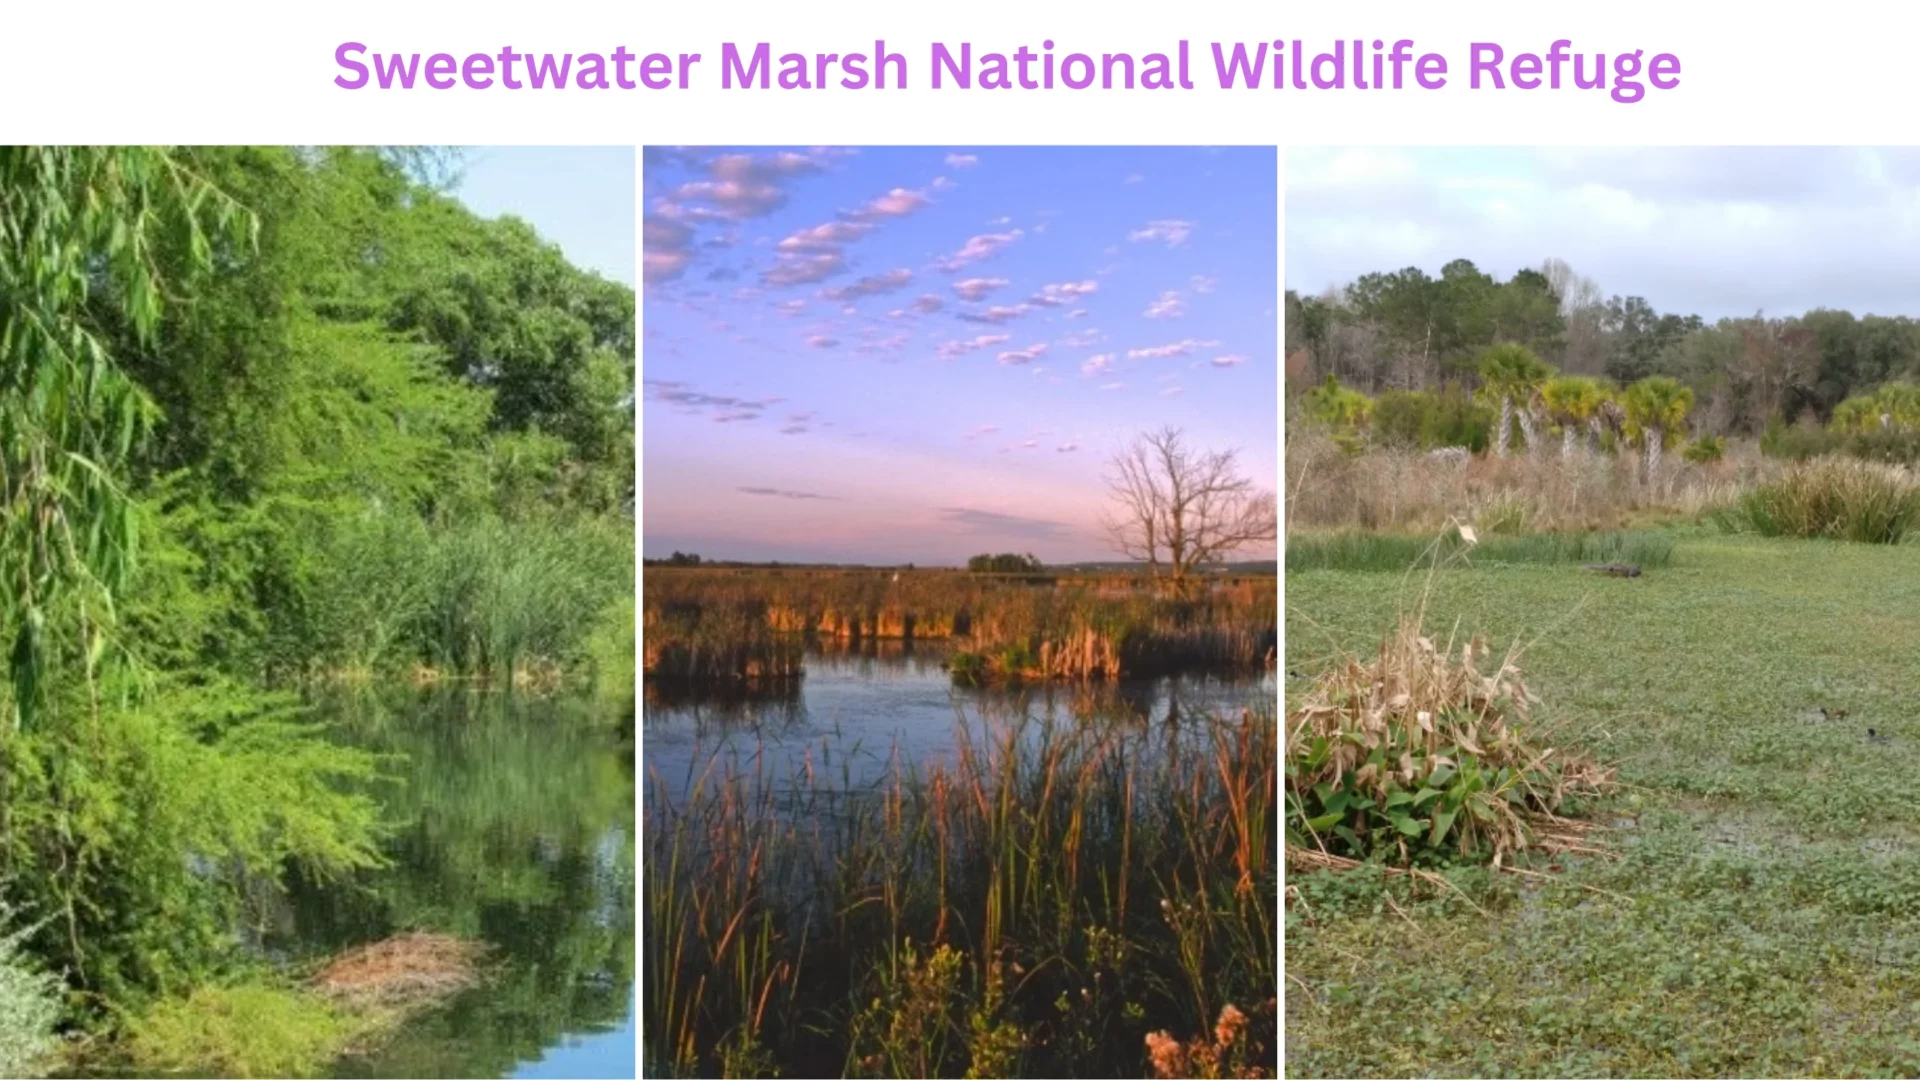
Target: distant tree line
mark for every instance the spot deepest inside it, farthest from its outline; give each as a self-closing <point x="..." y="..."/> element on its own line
<point x="1407" y="331"/>
<point x="1004" y="564"/>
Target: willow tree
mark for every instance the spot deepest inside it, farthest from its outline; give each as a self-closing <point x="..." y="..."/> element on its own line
<point x="1178" y="509"/>
<point x="1510" y="377"/>
<point x="1656" y="410"/>
<point x="80" y="228"/>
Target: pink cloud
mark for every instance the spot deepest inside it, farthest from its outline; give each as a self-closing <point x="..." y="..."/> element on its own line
<point x="1162" y="352"/>
<point x="1113" y="386"/>
<point x="977" y="288"/>
<point x="1097" y="364"/>
<point x="805" y="269"/>
<point x="1023" y="356"/>
<point x="827" y="236"/>
<point x="997" y="314"/>
<point x="927" y="304"/>
<point x="1064" y="292"/>
<point x="1171" y="391"/>
<point x="822" y="341"/>
<point x="871" y="286"/>
<point x="962" y="161"/>
<point x="1169" y="306"/>
<point x="977" y="248"/>
<point x="1230" y="360"/>
<point x="1171" y="231"/>
<point x="896" y="203"/>
<point x="950" y="349"/>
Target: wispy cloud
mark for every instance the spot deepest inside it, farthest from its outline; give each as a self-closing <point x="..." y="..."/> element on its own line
<point x="974" y="289"/>
<point x="947" y="350"/>
<point x="872" y="285"/>
<point x="1023" y="356"/>
<point x="1171" y="231"/>
<point x="1096" y="364"/>
<point x="962" y="161"/>
<point x="997" y="314"/>
<point x="822" y="341"/>
<point x="1007" y="524"/>
<point x="983" y="429"/>
<point x="975" y="249"/>
<point x="1063" y="293"/>
<point x="1177" y="348"/>
<point x="896" y="203"/>
<point x="1170" y="305"/>
<point x="782" y="493"/>
<point x="927" y="304"/>
<point x="1172" y="391"/>
<point x="1067" y="447"/>
<point x="1112" y="386"/>
<point x="1229" y="360"/>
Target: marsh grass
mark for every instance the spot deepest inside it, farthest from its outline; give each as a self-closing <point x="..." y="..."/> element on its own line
<point x="1037" y="903"/>
<point x="722" y="626"/>
<point x="1832" y="498"/>
<point x="1398" y="552"/>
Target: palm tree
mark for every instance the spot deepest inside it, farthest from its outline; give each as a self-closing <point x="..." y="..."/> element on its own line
<point x="1509" y="376"/>
<point x="1572" y="401"/>
<point x="1656" y="409"/>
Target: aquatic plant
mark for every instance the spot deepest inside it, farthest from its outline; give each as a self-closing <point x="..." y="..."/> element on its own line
<point x="1035" y="905"/>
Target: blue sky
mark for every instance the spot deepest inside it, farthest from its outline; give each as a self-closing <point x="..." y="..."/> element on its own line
<point x="579" y="197"/>
<point x="916" y="354"/>
<point x="1718" y="231"/>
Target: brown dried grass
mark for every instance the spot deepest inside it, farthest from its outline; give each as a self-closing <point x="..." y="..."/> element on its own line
<point x="1415" y="717"/>
<point x="404" y="970"/>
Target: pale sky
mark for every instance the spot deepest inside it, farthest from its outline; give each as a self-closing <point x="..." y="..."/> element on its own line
<point x="579" y="197"/>
<point x="1713" y="231"/>
<point x="919" y="354"/>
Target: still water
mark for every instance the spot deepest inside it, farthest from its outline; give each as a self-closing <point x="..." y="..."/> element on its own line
<point x="863" y="712"/>
<point x="513" y="826"/>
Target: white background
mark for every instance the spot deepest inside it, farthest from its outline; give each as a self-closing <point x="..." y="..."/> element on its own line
<point x="1832" y="73"/>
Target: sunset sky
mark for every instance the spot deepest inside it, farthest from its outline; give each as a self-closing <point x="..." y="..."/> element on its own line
<point x="916" y="354"/>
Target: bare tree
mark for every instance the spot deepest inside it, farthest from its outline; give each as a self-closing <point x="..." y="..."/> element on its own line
<point x="1178" y="509"/>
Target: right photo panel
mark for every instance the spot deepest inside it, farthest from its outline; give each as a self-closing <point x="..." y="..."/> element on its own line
<point x="1600" y="595"/>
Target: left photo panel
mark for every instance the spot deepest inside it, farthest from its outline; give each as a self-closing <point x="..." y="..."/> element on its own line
<point x="317" y="611"/>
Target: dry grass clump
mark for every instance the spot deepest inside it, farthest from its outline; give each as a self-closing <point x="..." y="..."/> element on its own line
<point x="1421" y="756"/>
<point x="404" y="970"/>
<point x="1835" y="498"/>
<point x="1412" y="491"/>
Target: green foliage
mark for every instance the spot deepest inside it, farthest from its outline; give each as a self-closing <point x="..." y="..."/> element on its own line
<point x="1832" y="498"/>
<point x="1426" y="420"/>
<point x="1004" y="564"/>
<point x="1338" y="407"/>
<point x="1656" y="405"/>
<point x="245" y="1030"/>
<point x="1706" y="451"/>
<point x="365" y="429"/>
<point x="29" y="1002"/>
<point x="1397" y="553"/>
<point x="1757" y="915"/>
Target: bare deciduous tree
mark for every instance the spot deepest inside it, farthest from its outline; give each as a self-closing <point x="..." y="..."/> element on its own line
<point x="1178" y="509"/>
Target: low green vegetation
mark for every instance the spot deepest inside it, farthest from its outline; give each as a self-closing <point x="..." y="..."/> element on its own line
<point x="269" y="418"/>
<point x="1358" y="550"/>
<point x="1746" y="899"/>
<point x="1092" y="898"/>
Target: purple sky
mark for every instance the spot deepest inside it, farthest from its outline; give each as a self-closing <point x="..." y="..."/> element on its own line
<point x="917" y="354"/>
